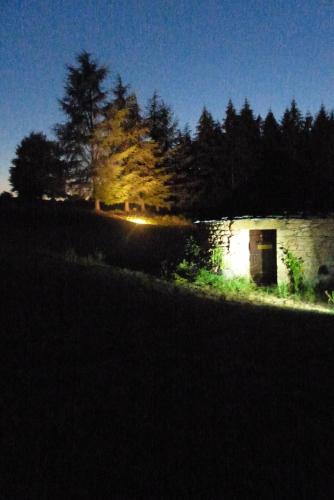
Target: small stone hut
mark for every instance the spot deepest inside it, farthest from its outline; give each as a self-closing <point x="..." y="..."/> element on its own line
<point x="253" y="246"/>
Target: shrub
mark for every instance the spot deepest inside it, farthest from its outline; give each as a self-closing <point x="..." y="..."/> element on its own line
<point x="192" y="251"/>
<point x="91" y="259"/>
<point x="308" y="293"/>
<point x="239" y="284"/>
<point x="217" y="259"/>
<point x="190" y="265"/>
<point x="185" y="271"/>
<point x="295" y="267"/>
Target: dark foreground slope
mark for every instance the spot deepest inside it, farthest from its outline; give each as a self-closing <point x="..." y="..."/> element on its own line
<point x="114" y="387"/>
<point x="59" y="228"/>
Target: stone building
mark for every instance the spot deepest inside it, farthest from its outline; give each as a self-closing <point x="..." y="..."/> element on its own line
<point x="253" y="246"/>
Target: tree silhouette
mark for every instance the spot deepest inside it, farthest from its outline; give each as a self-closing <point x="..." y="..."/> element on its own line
<point x="83" y="105"/>
<point x="38" y="168"/>
<point x="161" y="123"/>
<point x="207" y="150"/>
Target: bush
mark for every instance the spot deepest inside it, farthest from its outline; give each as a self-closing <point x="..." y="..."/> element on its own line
<point x="185" y="271"/>
<point x="238" y="284"/>
<point x="190" y="265"/>
<point x="217" y="259"/>
<point x="91" y="259"/>
<point x="295" y="267"/>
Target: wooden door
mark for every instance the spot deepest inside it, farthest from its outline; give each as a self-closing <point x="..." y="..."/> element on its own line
<point x="262" y="254"/>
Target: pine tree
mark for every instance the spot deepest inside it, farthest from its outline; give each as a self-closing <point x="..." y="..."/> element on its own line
<point x="161" y="123"/>
<point x="83" y="105"/>
<point x="124" y="99"/>
<point x="249" y="141"/>
<point x="292" y="128"/>
<point x="126" y="163"/>
<point x="208" y="169"/>
<point x="269" y="182"/>
<point x="120" y="92"/>
<point x="321" y="177"/>
<point x="231" y="132"/>
<point x="182" y="165"/>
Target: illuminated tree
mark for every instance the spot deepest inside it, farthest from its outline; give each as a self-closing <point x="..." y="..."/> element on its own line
<point x="38" y="168"/>
<point x="126" y="164"/>
<point x="83" y="105"/>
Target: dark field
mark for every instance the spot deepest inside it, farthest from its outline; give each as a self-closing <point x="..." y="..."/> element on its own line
<point x="117" y="386"/>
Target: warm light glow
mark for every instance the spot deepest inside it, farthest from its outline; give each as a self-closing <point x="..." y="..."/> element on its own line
<point x="136" y="220"/>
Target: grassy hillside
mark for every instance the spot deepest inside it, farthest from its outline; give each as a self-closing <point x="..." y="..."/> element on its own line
<point x="59" y="228"/>
<point x="116" y="385"/>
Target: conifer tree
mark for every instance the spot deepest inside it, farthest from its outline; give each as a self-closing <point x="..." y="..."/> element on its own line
<point x="161" y="123"/>
<point x="120" y="92"/>
<point x="292" y="165"/>
<point x="83" y="106"/>
<point x="231" y="131"/>
<point x="126" y="163"/>
<point x="208" y="167"/>
<point x="181" y="163"/>
<point x="267" y="185"/>
<point x="321" y="177"/>
<point x="249" y="141"/>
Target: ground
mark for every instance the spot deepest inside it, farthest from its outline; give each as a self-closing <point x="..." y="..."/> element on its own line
<point x="117" y="385"/>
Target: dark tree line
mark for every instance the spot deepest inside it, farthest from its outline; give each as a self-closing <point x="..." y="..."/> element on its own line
<point x="109" y="150"/>
<point x="246" y="164"/>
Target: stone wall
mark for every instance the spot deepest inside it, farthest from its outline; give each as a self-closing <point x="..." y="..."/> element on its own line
<point x="312" y="239"/>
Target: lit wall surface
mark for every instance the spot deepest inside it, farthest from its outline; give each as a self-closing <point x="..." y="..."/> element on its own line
<point x="311" y="238"/>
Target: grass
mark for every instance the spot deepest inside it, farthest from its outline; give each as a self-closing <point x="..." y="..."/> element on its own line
<point x="115" y="384"/>
<point x="58" y="228"/>
<point x="241" y="289"/>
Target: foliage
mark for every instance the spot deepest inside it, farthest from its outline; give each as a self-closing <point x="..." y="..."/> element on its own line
<point x="192" y="251"/>
<point x="282" y="290"/>
<point x="208" y="169"/>
<point x="38" y="168"/>
<point x="126" y="165"/>
<point x="191" y="264"/>
<point x="83" y="105"/>
<point x="180" y="160"/>
<point x="186" y="271"/>
<point x="239" y="284"/>
<point x="96" y="258"/>
<point x="330" y="296"/>
<point x="161" y="123"/>
<point x="308" y="292"/>
<point x="217" y="259"/>
<point x="295" y="267"/>
<point x="120" y="92"/>
<point x="195" y="270"/>
<point x="5" y="197"/>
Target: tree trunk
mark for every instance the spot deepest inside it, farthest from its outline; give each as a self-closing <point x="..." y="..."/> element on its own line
<point x="142" y="206"/>
<point x="97" y="205"/>
<point x="126" y="206"/>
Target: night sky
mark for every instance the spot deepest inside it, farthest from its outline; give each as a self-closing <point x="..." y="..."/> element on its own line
<point x="193" y="52"/>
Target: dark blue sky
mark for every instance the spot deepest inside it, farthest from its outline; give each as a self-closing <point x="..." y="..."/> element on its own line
<point x="193" y="52"/>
